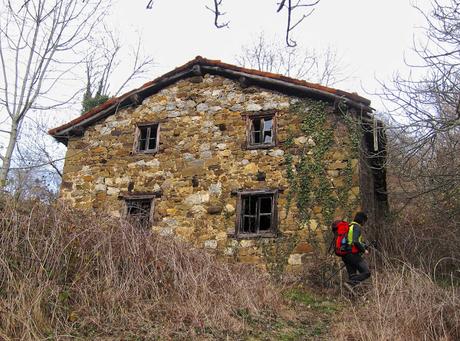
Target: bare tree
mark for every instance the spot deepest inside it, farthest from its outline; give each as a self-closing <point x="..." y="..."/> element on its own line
<point x="425" y="106"/>
<point x="424" y="146"/>
<point x="102" y="64"/>
<point x="35" y="171"/>
<point x="37" y="150"/>
<point x="38" y="40"/>
<point x="323" y="67"/>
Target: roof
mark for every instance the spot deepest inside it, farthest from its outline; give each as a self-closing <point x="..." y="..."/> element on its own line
<point x="200" y="66"/>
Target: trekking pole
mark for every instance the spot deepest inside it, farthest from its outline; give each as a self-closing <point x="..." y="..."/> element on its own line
<point x="333" y="275"/>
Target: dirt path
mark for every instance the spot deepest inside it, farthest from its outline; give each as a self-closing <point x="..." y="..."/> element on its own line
<point x="305" y="316"/>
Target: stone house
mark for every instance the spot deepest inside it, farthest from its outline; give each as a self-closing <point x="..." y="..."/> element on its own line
<point x="229" y="159"/>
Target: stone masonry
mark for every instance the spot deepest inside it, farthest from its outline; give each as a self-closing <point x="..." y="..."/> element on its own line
<point x="201" y="162"/>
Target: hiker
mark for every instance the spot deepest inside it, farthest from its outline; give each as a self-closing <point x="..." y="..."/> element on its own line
<point x="357" y="268"/>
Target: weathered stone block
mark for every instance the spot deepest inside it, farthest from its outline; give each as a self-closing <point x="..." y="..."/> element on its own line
<point x="210" y="244"/>
<point x="100" y="187"/>
<point x="253" y="107"/>
<point x="197" y="199"/>
<point x="113" y="191"/>
<point x="250" y="168"/>
<point x="276" y="153"/>
<point x="230" y="209"/>
<point x="229" y="251"/>
<point x="247" y="243"/>
<point x="303" y="247"/>
<point x="215" y="209"/>
<point x="295" y="259"/>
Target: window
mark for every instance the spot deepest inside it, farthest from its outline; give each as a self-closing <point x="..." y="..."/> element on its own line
<point x="256" y="213"/>
<point x="147" y="138"/>
<point x="139" y="211"/>
<point x="261" y="129"/>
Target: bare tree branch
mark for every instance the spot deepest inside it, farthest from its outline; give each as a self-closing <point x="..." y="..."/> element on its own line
<point x="103" y="62"/>
<point x="217" y="14"/>
<point x="290" y="8"/>
<point x="324" y="67"/>
<point x="424" y="120"/>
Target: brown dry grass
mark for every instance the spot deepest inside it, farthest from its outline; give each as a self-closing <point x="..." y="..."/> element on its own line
<point x="68" y="274"/>
<point x="414" y="291"/>
<point x="402" y="303"/>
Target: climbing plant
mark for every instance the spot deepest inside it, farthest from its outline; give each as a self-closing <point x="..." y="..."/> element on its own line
<point x="355" y="135"/>
<point x="89" y="102"/>
<point x="311" y="187"/>
<point x="276" y="254"/>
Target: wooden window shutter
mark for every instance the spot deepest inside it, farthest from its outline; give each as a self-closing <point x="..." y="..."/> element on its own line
<point x="137" y="134"/>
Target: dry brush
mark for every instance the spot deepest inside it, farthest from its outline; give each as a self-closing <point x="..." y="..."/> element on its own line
<point x="70" y="273"/>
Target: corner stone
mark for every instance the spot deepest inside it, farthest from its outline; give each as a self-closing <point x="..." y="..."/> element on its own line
<point x="295" y="259"/>
<point x="210" y="244"/>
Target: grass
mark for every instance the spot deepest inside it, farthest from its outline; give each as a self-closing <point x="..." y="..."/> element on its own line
<point x="304" y="316"/>
<point x="311" y="301"/>
<point x="402" y="303"/>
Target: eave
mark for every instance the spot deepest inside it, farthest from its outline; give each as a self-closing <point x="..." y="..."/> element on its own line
<point x="201" y="66"/>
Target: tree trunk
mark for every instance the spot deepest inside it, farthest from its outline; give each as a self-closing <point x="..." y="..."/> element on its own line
<point x="9" y="153"/>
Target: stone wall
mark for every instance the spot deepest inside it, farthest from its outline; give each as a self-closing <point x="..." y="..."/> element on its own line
<point x="202" y="134"/>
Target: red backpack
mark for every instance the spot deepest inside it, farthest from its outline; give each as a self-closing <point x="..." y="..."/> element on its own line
<point x="340" y="230"/>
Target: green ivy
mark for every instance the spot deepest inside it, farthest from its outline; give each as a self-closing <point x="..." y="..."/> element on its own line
<point x="90" y="102"/>
<point x="355" y="138"/>
<point x="309" y="183"/>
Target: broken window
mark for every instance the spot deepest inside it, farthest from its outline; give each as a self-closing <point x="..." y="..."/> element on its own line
<point x="261" y="131"/>
<point x="147" y="138"/>
<point x="138" y="211"/>
<point x="257" y="213"/>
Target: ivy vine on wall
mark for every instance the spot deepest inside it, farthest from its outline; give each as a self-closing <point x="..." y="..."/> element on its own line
<point x="311" y="187"/>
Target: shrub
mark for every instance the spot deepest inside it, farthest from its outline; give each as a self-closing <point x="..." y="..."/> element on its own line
<point x="71" y="273"/>
<point x="403" y="304"/>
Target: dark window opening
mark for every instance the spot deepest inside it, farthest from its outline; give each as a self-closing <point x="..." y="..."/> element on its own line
<point x="148" y="138"/>
<point x="257" y="214"/>
<point x="262" y="132"/>
<point x="138" y="211"/>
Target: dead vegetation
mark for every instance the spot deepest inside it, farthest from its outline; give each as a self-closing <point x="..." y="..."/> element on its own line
<point x="414" y="291"/>
<point x="403" y="304"/>
<point x="68" y="274"/>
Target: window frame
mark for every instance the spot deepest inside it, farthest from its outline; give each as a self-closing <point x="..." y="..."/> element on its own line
<point x="140" y="198"/>
<point x="273" y="230"/>
<point x="137" y="137"/>
<point x="250" y="117"/>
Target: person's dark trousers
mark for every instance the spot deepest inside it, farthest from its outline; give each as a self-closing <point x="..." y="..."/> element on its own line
<point x="357" y="268"/>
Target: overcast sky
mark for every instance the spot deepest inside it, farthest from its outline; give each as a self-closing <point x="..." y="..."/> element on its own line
<point x="372" y="36"/>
